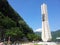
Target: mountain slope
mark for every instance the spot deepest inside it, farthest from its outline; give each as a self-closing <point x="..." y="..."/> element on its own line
<point x="55" y="34"/>
<point x="11" y="23"/>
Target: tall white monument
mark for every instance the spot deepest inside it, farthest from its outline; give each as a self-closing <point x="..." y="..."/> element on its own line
<point x="46" y="33"/>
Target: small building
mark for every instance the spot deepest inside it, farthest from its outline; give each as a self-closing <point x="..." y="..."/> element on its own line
<point x="58" y="39"/>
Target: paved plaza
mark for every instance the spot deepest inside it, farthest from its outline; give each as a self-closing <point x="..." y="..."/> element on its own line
<point x="38" y="43"/>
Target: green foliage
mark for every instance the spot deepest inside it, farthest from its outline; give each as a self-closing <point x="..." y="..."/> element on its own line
<point x="55" y="34"/>
<point x="14" y="32"/>
<point x="12" y="24"/>
<point x="7" y="23"/>
<point x="33" y="37"/>
<point x="38" y="44"/>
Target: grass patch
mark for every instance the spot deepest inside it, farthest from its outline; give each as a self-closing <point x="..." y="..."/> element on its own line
<point x="37" y="44"/>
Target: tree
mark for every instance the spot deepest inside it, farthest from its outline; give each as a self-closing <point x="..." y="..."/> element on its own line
<point x="33" y="37"/>
<point x="12" y="24"/>
<point x="14" y="33"/>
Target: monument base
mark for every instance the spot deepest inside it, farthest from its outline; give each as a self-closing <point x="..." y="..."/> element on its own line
<point x="47" y="43"/>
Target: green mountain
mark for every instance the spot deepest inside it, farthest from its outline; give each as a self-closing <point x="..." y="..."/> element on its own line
<point x="12" y="25"/>
<point x="55" y="34"/>
<point x="38" y="33"/>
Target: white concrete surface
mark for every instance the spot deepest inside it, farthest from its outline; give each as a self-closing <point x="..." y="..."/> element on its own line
<point x="47" y="43"/>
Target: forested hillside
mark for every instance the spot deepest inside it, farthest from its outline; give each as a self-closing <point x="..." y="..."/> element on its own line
<point x="13" y="25"/>
<point x="54" y="34"/>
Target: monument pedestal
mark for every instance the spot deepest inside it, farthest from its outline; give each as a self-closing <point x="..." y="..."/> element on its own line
<point x="47" y="43"/>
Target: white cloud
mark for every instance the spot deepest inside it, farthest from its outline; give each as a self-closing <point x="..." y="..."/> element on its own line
<point x="38" y="30"/>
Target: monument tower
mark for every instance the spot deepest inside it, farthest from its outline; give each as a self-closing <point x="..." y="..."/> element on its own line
<point x="46" y="33"/>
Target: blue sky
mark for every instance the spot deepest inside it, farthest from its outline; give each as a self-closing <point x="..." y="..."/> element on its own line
<point x="30" y="11"/>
